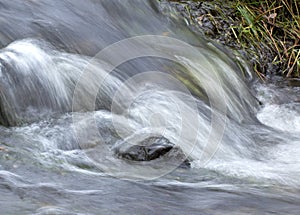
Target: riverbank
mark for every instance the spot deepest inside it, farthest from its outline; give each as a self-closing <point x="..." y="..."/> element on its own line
<point x="266" y="33"/>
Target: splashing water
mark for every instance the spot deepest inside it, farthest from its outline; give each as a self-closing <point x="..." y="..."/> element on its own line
<point x="86" y="91"/>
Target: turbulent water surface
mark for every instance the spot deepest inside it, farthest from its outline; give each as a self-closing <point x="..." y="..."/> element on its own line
<point x="164" y="122"/>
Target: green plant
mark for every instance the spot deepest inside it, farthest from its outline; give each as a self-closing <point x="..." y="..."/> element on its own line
<point x="274" y="25"/>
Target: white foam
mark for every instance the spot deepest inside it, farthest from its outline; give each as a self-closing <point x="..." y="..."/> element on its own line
<point x="284" y="117"/>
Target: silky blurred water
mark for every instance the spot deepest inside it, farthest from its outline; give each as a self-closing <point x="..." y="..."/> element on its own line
<point x="53" y="162"/>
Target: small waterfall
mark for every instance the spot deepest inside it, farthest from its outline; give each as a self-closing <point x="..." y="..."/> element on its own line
<point x="197" y="102"/>
<point x="37" y="82"/>
<point x="123" y="88"/>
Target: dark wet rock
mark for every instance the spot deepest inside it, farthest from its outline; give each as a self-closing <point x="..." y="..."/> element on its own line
<point x="146" y="153"/>
<point x="150" y="149"/>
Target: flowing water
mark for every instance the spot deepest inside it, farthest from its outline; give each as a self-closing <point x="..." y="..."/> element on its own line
<point x="82" y="82"/>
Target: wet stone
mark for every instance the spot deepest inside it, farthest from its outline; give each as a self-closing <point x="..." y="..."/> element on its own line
<point x="149" y="149"/>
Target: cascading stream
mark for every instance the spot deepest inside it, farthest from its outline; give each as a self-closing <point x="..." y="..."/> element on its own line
<point x="93" y="92"/>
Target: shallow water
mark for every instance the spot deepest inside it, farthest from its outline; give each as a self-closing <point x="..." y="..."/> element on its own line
<point x="64" y="115"/>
